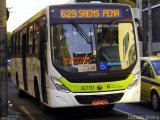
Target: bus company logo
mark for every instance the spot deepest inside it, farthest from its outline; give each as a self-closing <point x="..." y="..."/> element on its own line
<point x="99" y="87"/>
<point x="108" y="86"/>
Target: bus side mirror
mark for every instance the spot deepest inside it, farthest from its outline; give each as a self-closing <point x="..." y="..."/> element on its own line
<point x="140" y="33"/>
<point x="139" y="30"/>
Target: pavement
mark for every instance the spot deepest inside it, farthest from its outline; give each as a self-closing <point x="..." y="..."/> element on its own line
<point x="14" y="113"/>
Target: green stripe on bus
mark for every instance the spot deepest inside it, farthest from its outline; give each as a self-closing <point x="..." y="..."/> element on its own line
<point x="97" y="87"/>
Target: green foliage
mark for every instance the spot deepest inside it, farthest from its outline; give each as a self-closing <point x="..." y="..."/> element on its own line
<point x="8" y="39"/>
<point x="8" y="44"/>
<point x="132" y="3"/>
<point x="153" y="2"/>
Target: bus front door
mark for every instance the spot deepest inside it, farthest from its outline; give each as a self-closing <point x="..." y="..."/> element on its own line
<point x="43" y="59"/>
<point x="24" y="41"/>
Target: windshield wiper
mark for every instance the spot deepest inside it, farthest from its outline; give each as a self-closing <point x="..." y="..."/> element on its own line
<point x="87" y="38"/>
<point x="110" y="29"/>
<point x="81" y="32"/>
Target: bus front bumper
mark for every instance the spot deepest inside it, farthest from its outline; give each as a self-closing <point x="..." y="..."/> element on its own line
<point x="58" y="99"/>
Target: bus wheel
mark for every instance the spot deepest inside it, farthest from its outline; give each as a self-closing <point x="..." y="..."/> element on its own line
<point x="36" y="89"/>
<point x="44" y="108"/>
<point x="155" y="101"/>
<point x="21" y="93"/>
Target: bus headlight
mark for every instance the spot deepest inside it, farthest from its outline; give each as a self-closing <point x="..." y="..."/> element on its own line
<point x="59" y="85"/>
<point x="135" y="80"/>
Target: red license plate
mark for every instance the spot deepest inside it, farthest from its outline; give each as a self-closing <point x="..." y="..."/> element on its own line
<point x="99" y="102"/>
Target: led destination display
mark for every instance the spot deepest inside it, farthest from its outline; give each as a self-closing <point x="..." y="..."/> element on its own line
<point x="91" y="13"/>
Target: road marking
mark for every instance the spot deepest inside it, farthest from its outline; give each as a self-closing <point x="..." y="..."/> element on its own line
<point x="27" y="113"/>
<point x="130" y="116"/>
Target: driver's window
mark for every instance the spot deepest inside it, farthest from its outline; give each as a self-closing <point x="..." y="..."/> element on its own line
<point x="143" y="68"/>
<point x="146" y="69"/>
<point x="150" y="71"/>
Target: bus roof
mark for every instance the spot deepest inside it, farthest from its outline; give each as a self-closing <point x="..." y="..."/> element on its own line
<point x="29" y="21"/>
<point x="44" y="11"/>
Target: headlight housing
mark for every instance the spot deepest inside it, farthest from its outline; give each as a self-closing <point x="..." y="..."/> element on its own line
<point x="134" y="82"/>
<point x="59" y="85"/>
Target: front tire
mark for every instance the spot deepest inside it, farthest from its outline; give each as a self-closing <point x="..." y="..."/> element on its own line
<point x="21" y="93"/>
<point x="43" y="107"/>
<point x="155" y="101"/>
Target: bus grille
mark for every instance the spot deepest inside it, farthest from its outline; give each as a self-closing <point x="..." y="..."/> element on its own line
<point x="94" y="79"/>
<point x="87" y="99"/>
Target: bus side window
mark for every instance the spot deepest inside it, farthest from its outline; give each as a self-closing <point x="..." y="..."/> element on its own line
<point x="21" y="42"/>
<point x="15" y="43"/>
<point x="18" y="44"/>
<point x="36" y="37"/>
<point x="30" y="42"/>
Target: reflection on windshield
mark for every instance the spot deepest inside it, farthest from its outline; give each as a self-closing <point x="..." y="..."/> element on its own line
<point x="156" y="66"/>
<point x="93" y="47"/>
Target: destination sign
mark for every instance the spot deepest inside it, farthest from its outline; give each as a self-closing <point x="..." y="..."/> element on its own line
<point x="90" y="13"/>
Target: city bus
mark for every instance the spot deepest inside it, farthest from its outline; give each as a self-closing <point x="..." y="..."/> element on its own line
<point x="79" y="54"/>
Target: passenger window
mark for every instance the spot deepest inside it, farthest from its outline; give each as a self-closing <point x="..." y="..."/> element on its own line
<point x="30" y="43"/>
<point x="150" y="71"/>
<point x="20" y="43"/>
<point x="36" y="37"/>
<point x="17" y="44"/>
<point x="146" y="69"/>
<point x="143" y="68"/>
<point x="21" y="34"/>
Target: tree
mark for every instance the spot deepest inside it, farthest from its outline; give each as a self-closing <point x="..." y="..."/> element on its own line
<point x="153" y="2"/>
<point x="132" y="3"/>
<point x="8" y="44"/>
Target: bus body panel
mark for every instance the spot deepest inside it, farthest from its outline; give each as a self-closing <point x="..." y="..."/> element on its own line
<point x="33" y="70"/>
<point x="55" y="98"/>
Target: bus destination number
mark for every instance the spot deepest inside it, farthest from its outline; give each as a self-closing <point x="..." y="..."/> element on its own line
<point x="84" y="88"/>
<point x="105" y="13"/>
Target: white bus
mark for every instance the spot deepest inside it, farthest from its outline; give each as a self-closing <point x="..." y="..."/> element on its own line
<point x="83" y="54"/>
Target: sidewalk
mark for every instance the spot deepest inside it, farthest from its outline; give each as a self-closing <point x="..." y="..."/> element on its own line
<point x="14" y="113"/>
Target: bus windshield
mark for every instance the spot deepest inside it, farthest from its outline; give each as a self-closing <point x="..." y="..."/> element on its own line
<point x="93" y="47"/>
<point x="156" y="66"/>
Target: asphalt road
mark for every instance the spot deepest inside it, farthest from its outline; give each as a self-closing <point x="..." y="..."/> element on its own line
<point x="30" y="109"/>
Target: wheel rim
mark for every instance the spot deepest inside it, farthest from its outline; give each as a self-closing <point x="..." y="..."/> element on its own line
<point x="154" y="101"/>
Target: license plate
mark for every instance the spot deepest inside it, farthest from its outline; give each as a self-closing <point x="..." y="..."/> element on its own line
<point x="99" y="102"/>
<point x="87" y="67"/>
